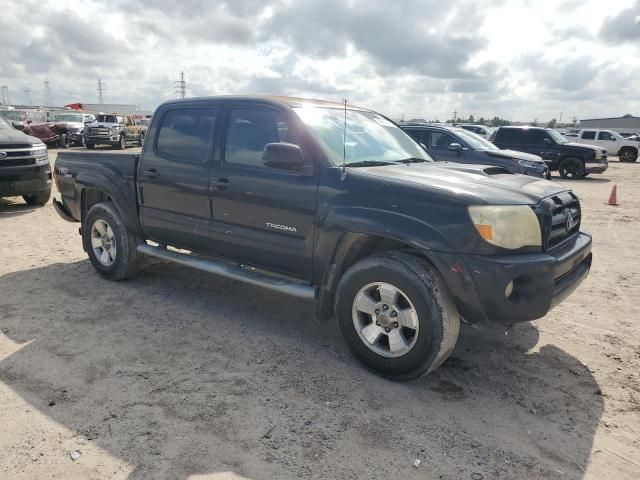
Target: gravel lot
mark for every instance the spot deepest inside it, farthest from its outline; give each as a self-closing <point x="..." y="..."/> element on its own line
<point x="180" y="374"/>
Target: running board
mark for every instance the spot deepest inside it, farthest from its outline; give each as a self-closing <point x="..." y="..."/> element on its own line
<point x="232" y="271"/>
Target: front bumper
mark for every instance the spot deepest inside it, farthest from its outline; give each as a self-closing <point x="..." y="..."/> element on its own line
<point x="24" y="180"/>
<point x="596" y="167"/>
<point x="541" y="281"/>
<point x="103" y="139"/>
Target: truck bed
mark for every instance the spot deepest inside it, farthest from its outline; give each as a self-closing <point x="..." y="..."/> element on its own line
<point x="78" y="172"/>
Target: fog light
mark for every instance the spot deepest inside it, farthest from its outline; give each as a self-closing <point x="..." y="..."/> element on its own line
<point x="509" y="290"/>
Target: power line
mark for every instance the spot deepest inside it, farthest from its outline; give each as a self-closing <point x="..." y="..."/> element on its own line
<point x="101" y="90"/>
<point x="27" y="96"/>
<point x="181" y="86"/>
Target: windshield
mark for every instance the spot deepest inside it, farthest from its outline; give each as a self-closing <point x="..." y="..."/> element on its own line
<point x="475" y="141"/>
<point x="370" y="136"/>
<point x="4" y="125"/>
<point x="108" y="118"/>
<point x="558" y="138"/>
<point x="13" y="115"/>
<point x="70" y="117"/>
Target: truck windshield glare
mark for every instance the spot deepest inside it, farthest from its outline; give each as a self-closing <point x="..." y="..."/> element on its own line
<point x="370" y="137"/>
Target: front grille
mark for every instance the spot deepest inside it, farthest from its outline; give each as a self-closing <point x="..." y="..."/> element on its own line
<point x="560" y="217"/>
<point x="17" y="162"/>
<point x="99" y="131"/>
<point x="14" y="146"/>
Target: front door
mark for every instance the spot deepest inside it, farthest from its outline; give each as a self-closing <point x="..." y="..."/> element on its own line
<point x="262" y="216"/>
<point x="173" y="177"/>
<point x="438" y="142"/>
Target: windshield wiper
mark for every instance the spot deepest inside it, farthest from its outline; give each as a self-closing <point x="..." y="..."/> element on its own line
<point x="370" y="163"/>
<point x="412" y="160"/>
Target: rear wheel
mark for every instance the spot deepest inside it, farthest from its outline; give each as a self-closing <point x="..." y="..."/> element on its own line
<point x="90" y="146"/>
<point x="571" y="168"/>
<point x="37" y="198"/>
<point x="628" y="155"/>
<point x="110" y="246"/>
<point x="396" y="315"/>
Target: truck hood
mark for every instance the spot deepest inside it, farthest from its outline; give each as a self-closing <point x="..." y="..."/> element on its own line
<point x="79" y="125"/>
<point x="514" y="154"/>
<point x="584" y="145"/>
<point x="480" y="183"/>
<point x="8" y="136"/>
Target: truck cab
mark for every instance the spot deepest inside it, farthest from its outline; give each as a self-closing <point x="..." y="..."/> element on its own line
<point x="612" y="142"/>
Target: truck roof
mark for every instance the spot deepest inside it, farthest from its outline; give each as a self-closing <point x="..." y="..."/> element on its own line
<point x="270" y="99"/>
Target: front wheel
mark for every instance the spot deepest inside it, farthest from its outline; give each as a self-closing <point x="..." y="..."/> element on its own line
<point x="628" y="155"/>
<point x="396" y="315"/>
<point x="140" y="139"/>
<point x="123" y="142"/>
<point x="90" y="146"/>
<point x="571" y="168"/>
<point x="64" y="141"/>
<point x="110" y="246"/>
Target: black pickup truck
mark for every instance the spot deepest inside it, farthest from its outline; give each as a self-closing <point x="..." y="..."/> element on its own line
<point x="571" y="160"/>
<point x="334" y="204"/>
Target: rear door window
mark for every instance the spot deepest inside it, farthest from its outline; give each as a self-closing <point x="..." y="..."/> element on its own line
<point x="185" y="134"/>
<point x="510" y="136"/>
<point x="588" y="135"/>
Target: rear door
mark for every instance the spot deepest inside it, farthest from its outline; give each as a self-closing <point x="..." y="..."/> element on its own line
<point x="173" y="176"/>
<point x="262" y="216"/>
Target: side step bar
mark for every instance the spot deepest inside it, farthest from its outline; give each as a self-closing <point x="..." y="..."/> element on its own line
<point x="232" y="271"/>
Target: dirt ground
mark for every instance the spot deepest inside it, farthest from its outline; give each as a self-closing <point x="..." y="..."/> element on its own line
<point x="180" y="374"/>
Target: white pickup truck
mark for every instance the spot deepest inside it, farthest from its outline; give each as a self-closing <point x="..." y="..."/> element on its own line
<point x="614" y="143"/>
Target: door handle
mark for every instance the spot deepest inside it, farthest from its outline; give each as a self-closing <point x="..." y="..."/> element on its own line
<point x="221" y="183"/>
<point x="149" y="174"/>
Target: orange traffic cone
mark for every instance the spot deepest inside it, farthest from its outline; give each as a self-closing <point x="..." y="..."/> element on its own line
<point x="613" y="198"/>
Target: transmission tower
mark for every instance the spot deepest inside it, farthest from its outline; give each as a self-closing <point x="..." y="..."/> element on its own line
<point x="181" y="86"/>
<point x="47" y="93"/>
<point x="27" y="96"/>
<point x="101" y="90"/>
<point x="5" y="95"/>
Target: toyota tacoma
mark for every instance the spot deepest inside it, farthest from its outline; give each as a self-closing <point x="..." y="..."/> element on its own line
<point x="333" y="204"/>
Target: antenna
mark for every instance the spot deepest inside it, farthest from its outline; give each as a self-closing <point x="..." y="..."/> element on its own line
<point x="344" y="143"/>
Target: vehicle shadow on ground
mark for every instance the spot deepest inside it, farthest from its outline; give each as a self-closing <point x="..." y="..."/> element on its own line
<point x="15" y="208"/>
<point x="181" y="373"/>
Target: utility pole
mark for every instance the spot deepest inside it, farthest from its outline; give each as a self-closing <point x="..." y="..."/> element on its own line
<point x="455" y="116"/>
<point x="27" y="96"/>
<point x="560" y="122"/>
<point x="5" y="95"/>
<point x="181" y="86"/>
<point x="101" y="90"/>
<point x="47" y="93"/>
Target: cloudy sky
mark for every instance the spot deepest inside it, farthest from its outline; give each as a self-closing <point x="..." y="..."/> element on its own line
<point x="530" y="59"/>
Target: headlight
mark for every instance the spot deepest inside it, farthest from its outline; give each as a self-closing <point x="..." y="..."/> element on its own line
<point x="42" y="161"/>
<point x="598" y="155"/>
<point x="529" y="164"/>
<point x="509" y="226"/>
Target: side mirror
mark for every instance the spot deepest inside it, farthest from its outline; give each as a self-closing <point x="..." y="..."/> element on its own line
<point x="283" y="156"/>
<point x="423" y="145"/>
<point x="455" y="147"/>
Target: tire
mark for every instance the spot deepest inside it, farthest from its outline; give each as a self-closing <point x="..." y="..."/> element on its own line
<point x="64" y="141"/>
<point x="122" y="259"/>
<point x="628" y="155"/>
<point x="90" y="146"/>
<point x="123" y="143"/>
<point x="38" y="198"/>
<point x="423" y="301"/>
<point x="140" y="140"/>
<point x="571" y="168"/>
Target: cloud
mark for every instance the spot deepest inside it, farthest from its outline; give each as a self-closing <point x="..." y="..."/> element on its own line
<point x="623" y="27"/>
